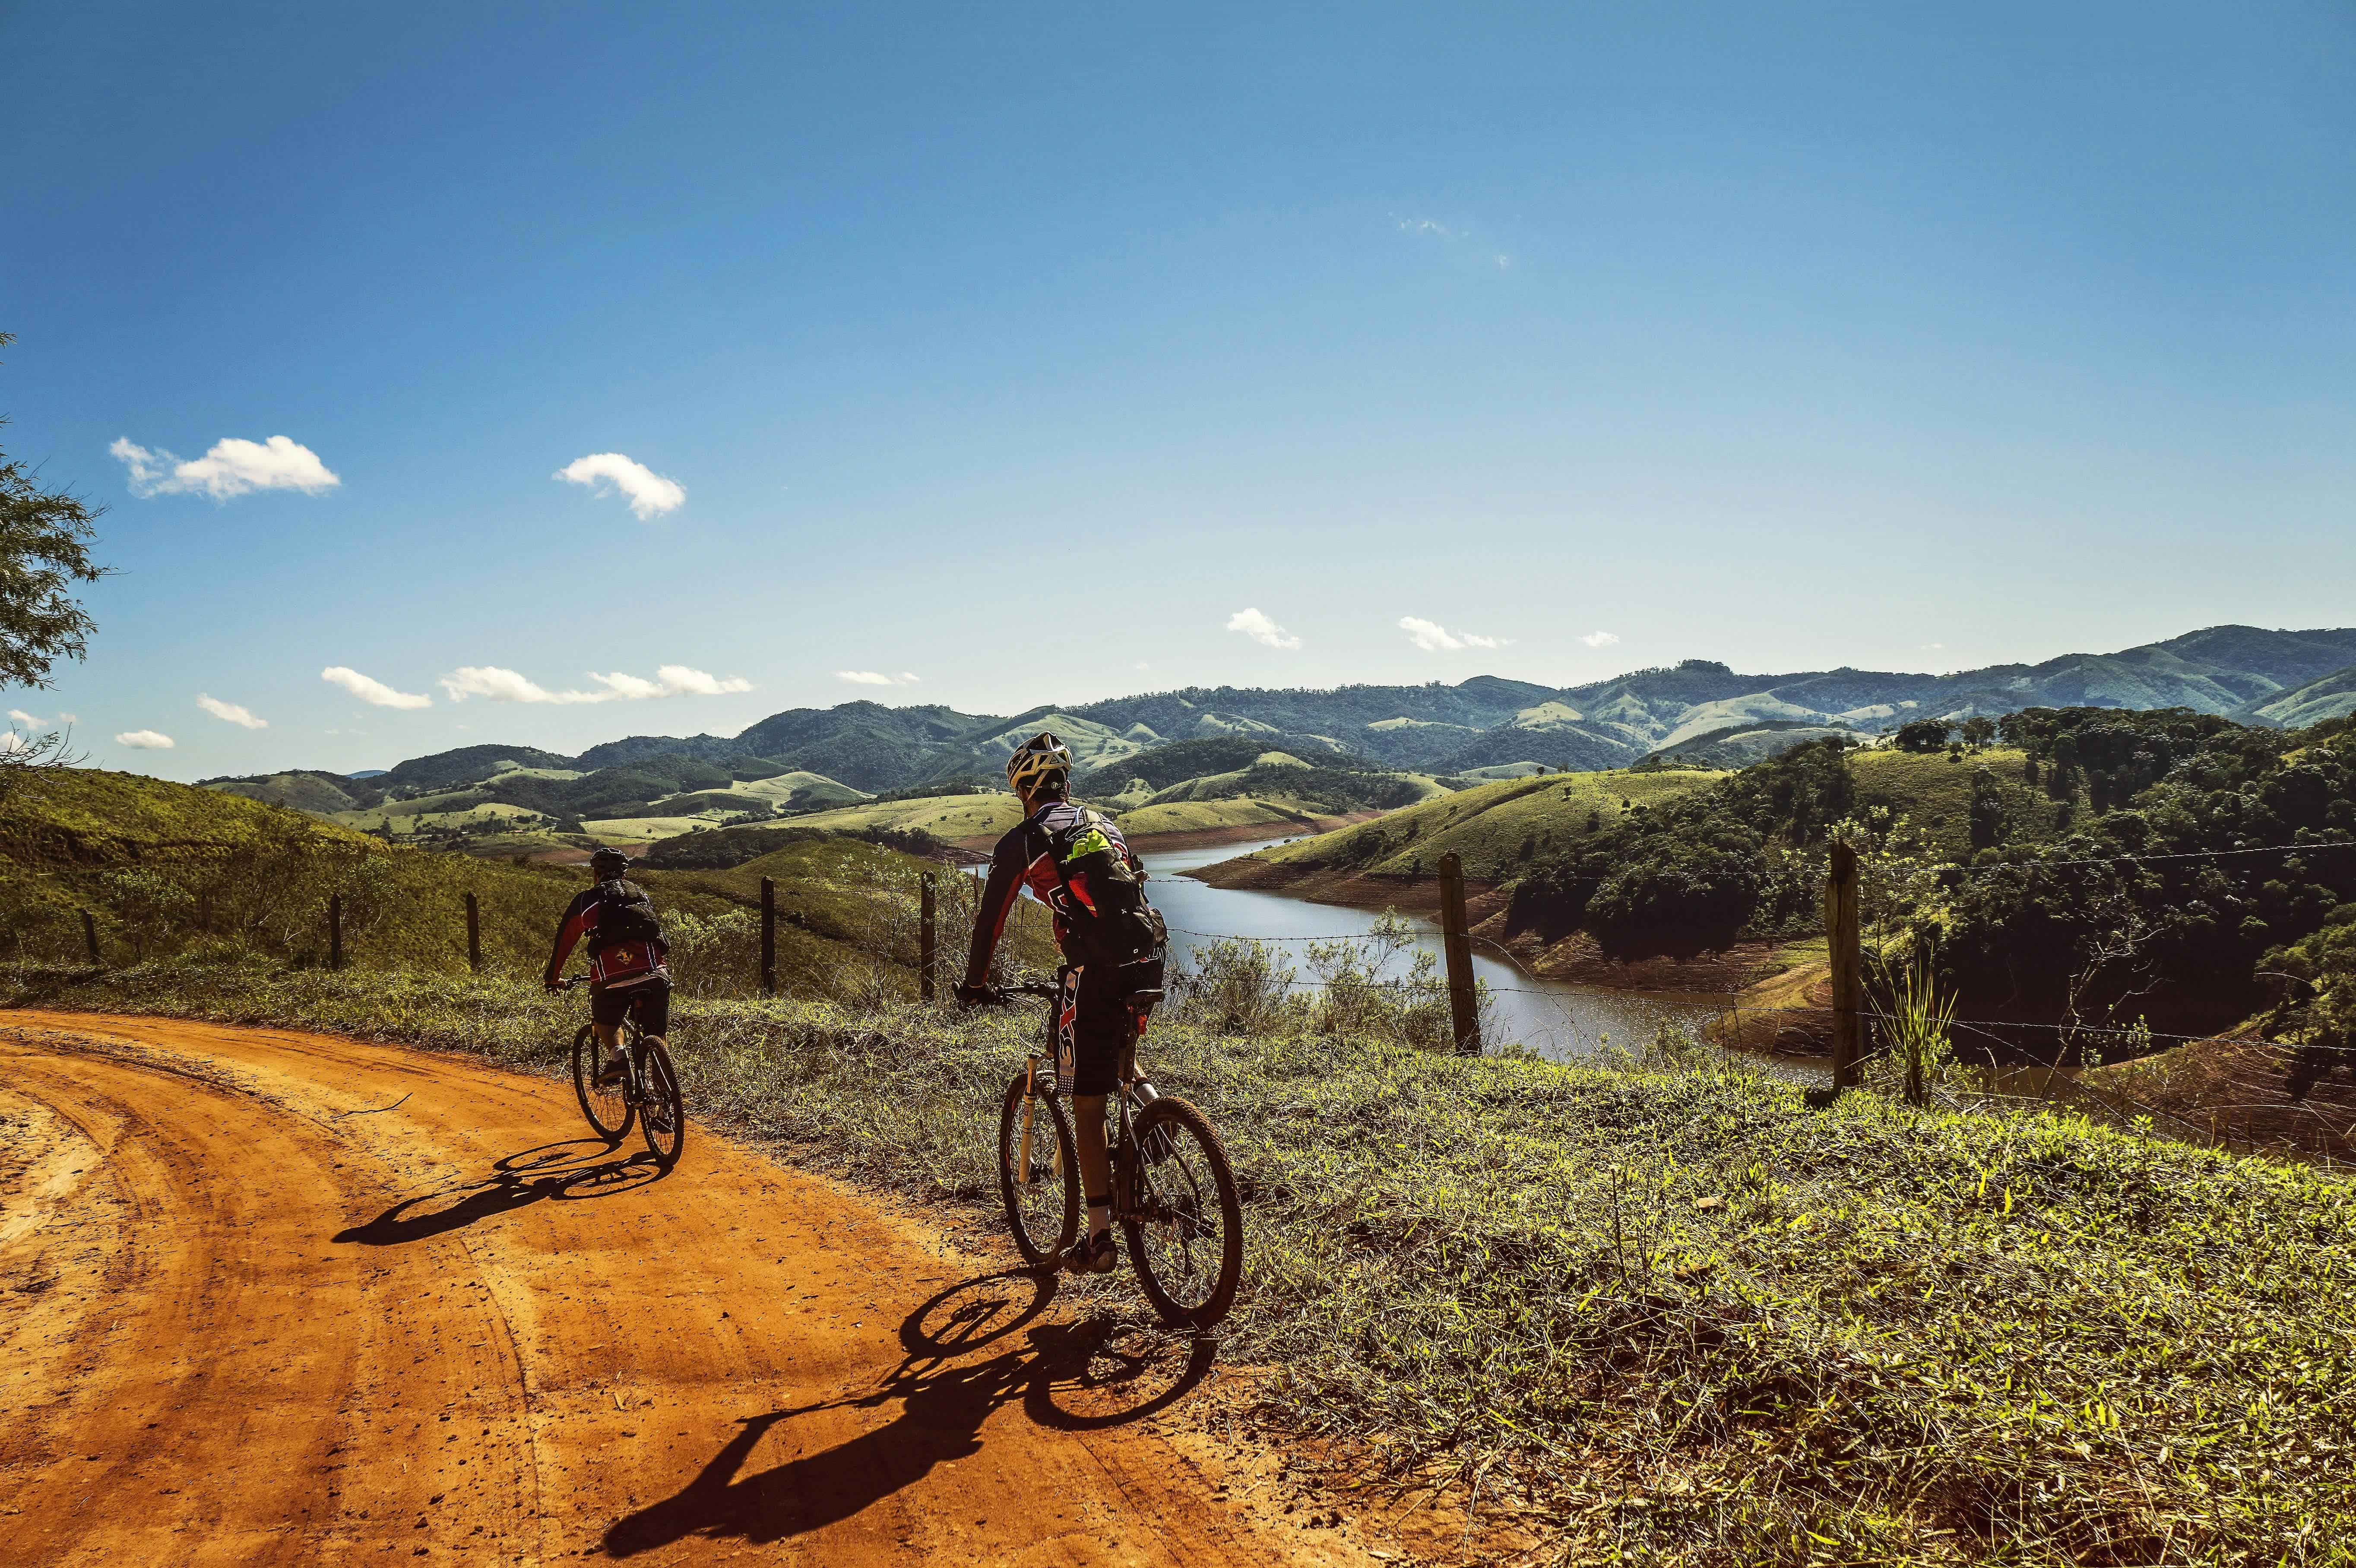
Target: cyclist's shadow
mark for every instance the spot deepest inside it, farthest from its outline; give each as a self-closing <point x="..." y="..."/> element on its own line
<point x="557" y="1171"/>
<point x="1074" y="1377"/>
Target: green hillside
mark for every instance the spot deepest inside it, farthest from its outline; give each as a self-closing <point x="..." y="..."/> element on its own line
<point x="1740" y="744"/>
<point x="167" y="870"/>
<point x="2332" y="697"/>
<point x="1933" y="792"/>
<point x="1495" y="828"/>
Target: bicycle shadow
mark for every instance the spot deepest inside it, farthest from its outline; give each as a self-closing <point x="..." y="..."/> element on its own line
<point x="1070" y="1376"/>
<point x="557" y="1171"/>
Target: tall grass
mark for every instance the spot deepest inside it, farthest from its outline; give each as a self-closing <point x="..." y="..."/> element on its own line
<point x="1683" y="1318"/>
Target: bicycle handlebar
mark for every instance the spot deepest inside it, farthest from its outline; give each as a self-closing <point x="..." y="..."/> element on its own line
<point x="999" y="996"/>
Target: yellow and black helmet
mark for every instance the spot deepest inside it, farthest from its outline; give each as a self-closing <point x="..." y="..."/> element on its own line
<point x="1040" y="761"/>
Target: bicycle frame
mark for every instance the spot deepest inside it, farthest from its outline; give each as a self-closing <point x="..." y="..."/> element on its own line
<point x="1133" y="1093"/>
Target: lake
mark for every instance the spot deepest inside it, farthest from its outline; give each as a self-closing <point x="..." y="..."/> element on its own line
<point x="1557" y="1018"/>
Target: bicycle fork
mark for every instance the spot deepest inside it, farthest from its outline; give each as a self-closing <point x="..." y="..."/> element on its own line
<point x="1023" y="1145"/>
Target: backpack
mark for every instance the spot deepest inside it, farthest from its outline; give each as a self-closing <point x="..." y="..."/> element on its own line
<point x="626" y="944"/>
<point x="1110" y="922"/>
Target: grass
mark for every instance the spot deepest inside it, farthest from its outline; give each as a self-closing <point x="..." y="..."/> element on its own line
<point x="1932" y="790"/>
<point x="1489" y="825"/>
<point x="168" y="869"/>
<point x="950" y="816"/>
<point x="1657" y="1315"/>
<point x="1193" y="816"/>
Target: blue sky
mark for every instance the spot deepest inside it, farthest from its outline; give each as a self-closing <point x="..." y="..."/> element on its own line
<point x="1020" y="349"/>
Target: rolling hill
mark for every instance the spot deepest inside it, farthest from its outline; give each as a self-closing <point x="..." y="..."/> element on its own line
<point x="1484" y="727"/>
<point x="173" y="871"/>
<point x="2332" y="697"/>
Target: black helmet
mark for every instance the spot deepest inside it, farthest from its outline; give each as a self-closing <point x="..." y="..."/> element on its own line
<point x="607" y="864"/>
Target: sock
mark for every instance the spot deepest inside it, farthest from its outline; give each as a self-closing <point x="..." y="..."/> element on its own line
<point x="1099" y="1216"/>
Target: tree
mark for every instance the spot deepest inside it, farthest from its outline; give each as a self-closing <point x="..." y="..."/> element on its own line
<point x="1925" y="735"/>
<point x="1987" y="813"/>
<point x="1978" y="730"/>
<point x="44" y="538"/>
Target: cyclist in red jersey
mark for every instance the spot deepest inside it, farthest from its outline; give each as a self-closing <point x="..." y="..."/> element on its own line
<point x="1076" y="861"/>
<point x="629" y="974"/>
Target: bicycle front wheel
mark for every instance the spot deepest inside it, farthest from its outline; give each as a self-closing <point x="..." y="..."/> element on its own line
<point x="1038" y="1173"/>
<point x="662" y="1115"/>
<point x="1185" y="1227"/>
<point x="608" y="1107"/>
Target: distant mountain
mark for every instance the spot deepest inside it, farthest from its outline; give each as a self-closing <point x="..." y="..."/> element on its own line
<point x="2260" y="676"/>
<point x="2333" y="697"/>
<point x="1740" y="745"/>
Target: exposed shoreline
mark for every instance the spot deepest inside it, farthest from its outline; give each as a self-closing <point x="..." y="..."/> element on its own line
<point x="1578" y="957"/>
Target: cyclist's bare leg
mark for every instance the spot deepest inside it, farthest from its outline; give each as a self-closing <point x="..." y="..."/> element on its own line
<point x="1095" y="1165"/>
<point x="610" y="1037"/>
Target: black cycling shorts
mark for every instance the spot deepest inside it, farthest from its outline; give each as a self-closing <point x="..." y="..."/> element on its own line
<point x="1101" y="1028"/>
<point x="645" y="1004"/>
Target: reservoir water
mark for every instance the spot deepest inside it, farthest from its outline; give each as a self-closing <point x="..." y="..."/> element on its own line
<point x="1557" y="1018"/>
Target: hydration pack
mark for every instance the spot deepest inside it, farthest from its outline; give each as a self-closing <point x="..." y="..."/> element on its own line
<point x="627" y="943"/>
<point x="1107" y="920"/>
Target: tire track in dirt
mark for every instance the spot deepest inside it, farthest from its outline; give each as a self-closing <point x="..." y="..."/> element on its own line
<point x="243" y="1324"/>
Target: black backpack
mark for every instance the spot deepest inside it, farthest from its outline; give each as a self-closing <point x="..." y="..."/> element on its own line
<point x="625" y="914"/>
<point x="1125" y="930"/>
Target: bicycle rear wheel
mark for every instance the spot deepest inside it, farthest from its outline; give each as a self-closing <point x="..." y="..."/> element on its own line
<point x="1038" y="1174"/>
<point x="608" y="1108"/>
<point x="662" y="1116"/>
<point x="1185" y="1227"/>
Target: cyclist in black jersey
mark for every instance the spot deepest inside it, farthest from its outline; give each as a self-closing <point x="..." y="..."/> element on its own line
<point x="1076" y="861"/>
<point x="629" y="973"/>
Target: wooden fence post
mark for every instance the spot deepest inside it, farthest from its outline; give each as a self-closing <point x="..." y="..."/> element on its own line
<point x="473" y="934"/>
<point x="926" y="943"/>
<point x="90" y="936"/>
<point x="1848" y="976"/>
<point x="334" y="930"/>
<point x="769" y="937"/>
<point x="1464" y="1013"/>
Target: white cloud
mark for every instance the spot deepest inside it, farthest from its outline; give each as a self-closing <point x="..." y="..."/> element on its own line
<point x="1434" y="638"/>
<point x="677" y="679"/>
<point x="1599" y="639"/>
<point x="1426" y="226"/>
<point x="21" y="717"/>
<point x="373" y="692"/>
<point x="10" y="740"/>
<point x="232" y="468"/>
<point x="507" y="686"/>
<point x="876" y="677"/>
<point x="650" y="493"/>
<point x="144" y="741"/>
<point x="1260" y="629"/>
<point x="230" y="712"/>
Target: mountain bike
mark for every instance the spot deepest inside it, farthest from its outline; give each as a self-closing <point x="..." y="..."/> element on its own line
<point x="648" y="1094"/>
<point x="1174" y="1192"/>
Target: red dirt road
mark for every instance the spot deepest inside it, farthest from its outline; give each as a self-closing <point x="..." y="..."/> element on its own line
<point x="248" y="1316"/>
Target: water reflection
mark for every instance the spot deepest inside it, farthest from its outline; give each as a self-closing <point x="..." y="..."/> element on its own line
<point x="1559" y="1018"/>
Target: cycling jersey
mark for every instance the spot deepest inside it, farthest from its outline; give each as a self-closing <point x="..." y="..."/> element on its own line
<point x="626" y="944"/>
<point x="1024" y="858"/>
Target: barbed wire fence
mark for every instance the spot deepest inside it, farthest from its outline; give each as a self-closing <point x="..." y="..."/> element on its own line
<point x="2236" y="1090"/>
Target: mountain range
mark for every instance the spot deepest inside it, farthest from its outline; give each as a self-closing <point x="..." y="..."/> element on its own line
<point x="1481" y="725"/>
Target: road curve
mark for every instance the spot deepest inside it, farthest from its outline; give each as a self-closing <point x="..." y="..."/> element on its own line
<point x="278" y="1298"/>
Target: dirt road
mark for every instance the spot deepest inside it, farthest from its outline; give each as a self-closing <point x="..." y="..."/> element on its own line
<point x="249" y="1315"/>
